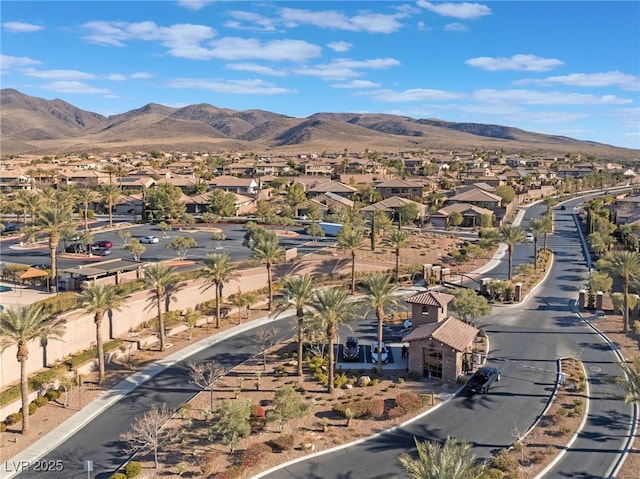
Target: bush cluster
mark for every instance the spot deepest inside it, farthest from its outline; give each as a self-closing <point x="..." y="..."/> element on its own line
<point x="118" y="475"/>
<point x="411" y="402"/>
<point x="283" y="442"/>
<point x="505" y="463"/>
<point x="372" y="408"/>
<point x="132" y="469"/>
<point x="255" y="454"/>
<point x="91" y="353"/>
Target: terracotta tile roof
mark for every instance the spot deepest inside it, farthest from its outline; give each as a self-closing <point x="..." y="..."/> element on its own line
<point x="451" y="331"/>
<point x="475" y="194"/>
<point x="430" y="298"/>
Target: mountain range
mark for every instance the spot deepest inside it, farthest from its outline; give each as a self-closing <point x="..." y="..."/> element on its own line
<point x="32" y="125"/>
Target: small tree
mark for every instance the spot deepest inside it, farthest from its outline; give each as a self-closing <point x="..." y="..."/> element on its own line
<point x="287" y="404"/>
<point x="135" y="248"/>
<point x="191" y="317"/>
<point x="469" y="305"/>
<point x="124" y="235"/>
<point x="182" y="244"/>
<point x="149" y="433"/>
<point x="205" y="374"/>
<point x="263" y="340"/>
<point x="164" y="227"/>
<point x="231" y="423"/>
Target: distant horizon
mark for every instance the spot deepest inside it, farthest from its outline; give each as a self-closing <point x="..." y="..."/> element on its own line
<point x="571" y="69"/>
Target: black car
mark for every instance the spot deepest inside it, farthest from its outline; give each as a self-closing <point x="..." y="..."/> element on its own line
<point x="483" y="379"/>
<point x="351" y="349"/>
<point x="101" y="251"/>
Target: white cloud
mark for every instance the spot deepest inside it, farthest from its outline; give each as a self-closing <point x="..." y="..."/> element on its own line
<point x="259" y="22"/>
<point x="356" y="84"/>
<point x="455" y="27"/>
<point x="414" y="94"/>
<point x="604" y="79"/>
<point x="255" y="68"/>
<point x="531" y="63"/>
<point x="234" y="48"/>
<point x="462" y="10"/>
<point x="141" y="75"/>
<point x="64" y="75"/>
<point x="21" y="27"/>
<point x="331" y="19"/>
<point x="74" y="87"/>
<point x="340" y="47"/>
<point x="181" y="40"/>
<point x="116" y="77"/>
<point x="528" y="97"/>
<point x="9" y="63"/>
<point x="194" y="4"/>
<point x="345" y="68"/>
<point x="240" y="87"/>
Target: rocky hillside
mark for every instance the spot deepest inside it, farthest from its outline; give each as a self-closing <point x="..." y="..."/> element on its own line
<point x="36" y="125"/>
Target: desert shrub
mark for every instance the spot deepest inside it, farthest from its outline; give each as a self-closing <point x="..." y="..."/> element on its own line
<point x="257" y="411"/>
<point x="171" y="317"/>
<point x="564" y="430"/>
<point x="254" y="454"/>
<point x="504" y="462"/>
<point x="41" y="401"/>
<point x="493" y="473"/>
<point x="125" y="289"/>
<point x="91" y="353"/>
<point x="283" y="442"/>
<point x="411" y="402"/>
<point x="132" y="469"/>
<point x="33" y="408"/>
<point x="118" y="475"/>
<point x="3" y="427"/>
<point x="396" y="412"/>
<point x="13" y="418"/>
<point x="374" y="382"/>
<point x="52" y="394"/>
<point x="340" y="380"/>
<point x="373" y="408"/>
<point x="363" y="381"/>
<point x="60" y="303"/>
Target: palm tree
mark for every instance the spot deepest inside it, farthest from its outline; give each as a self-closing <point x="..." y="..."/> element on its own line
<point x="398" y="239"/>
<point x="453" y="460"/>
<point x="160" y="278"/>
<point x="511" y="235"/>
<point x="626" y="266"/>
<point x="350" y="239"/>
<point x="18" y="327"/>
<point x="28" y="201"/>
<point x="218" y="270"/>
<point x="631" y="380"/>
<point x="332" y="308"/>
<point x="537" y="226"/>
<point x="53" y="221"/>
<point x="110" y="194"/>
<point x="98" y="299"/>
<point x="268" y="251"/>
<point x="299" y="292"/>
<point x="380" y="295"/>
<point x="85" y="196"/>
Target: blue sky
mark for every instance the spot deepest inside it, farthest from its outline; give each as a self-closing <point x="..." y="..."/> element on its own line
<point x="558" y="67"/>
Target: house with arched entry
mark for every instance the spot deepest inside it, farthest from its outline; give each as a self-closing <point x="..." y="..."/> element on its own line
<point x="440" y="346"/>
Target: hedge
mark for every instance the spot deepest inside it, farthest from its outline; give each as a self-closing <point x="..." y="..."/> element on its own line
<point x="132" y="469"/>
<point x="91" y="353"/>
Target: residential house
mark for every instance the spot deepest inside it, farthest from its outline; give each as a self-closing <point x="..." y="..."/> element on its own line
<point x="335" y="187"/>
<point x="242" y="186"/>
<point x="391" y="206"/>
<point x="472" y="216"/>
<point x="409" y="189"/>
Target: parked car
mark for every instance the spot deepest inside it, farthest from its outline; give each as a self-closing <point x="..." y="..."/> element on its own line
<point x="529" y="237"/>
<point x="101" y="251"/>
<point x="382" y="350"/>
<point x="351" y="349"/>
<point x="563" y="207"/>
<point x="11" y="227"/>
<point x="149" y="239"/>
<point x="75" y="248"/>
<point x="483" y="379"/>
<point x="104" y="244"/>
<point x="40" y="266"/>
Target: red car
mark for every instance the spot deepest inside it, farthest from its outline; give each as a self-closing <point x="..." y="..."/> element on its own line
<point x="104" y="244"/>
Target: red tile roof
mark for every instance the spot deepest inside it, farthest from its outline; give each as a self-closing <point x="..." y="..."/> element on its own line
<point x="430" y="298"/>
<point x="451" y="331"/>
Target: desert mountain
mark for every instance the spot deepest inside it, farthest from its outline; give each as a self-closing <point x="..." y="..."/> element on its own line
<point x="35" y="125"/>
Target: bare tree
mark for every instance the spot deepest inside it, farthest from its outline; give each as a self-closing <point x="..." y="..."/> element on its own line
<point x="205" y="374"/>
<point x="149" y="433"/>
<point x="263" y="341"/>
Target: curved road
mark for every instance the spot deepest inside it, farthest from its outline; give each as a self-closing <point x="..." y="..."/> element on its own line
<point x="526" y="341"/>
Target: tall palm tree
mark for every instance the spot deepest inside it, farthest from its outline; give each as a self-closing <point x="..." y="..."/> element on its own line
<point x="398" y="239"/>
<point x="332" y="308"/>
<point x="537" y="226"/>
<point x="453" y="460"/>
<point x="85" y="196"/>
<point x="631" y="380"/>
<point x="380" y="296"/>
<point x="218" y="269"/>
<point x="18" y="327"/>
<point x="268" y="251"/>
<point x="350" y="239"/>
<point x="110" y="194"/>
<point x="511" y="235"/>
<point x="53" y="221"/>
<point x="99" y="299"/>
<point x="298" y="292"/>
<point x="626" y="266"/>
<point x="161" y="279"/>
